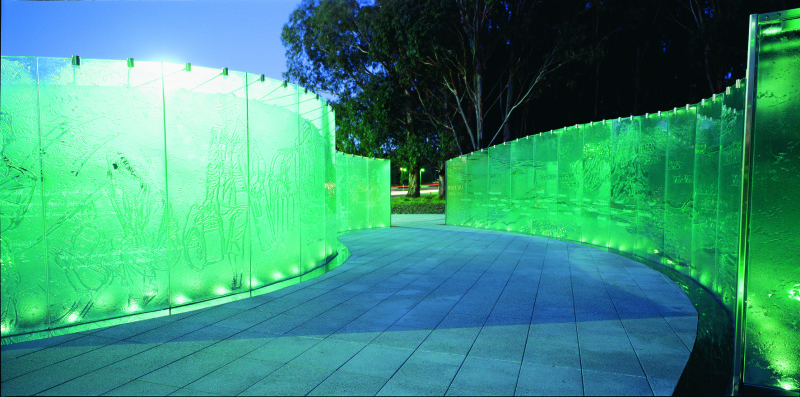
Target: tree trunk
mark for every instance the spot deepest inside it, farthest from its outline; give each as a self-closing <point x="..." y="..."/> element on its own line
<point x="442" y="182"/>
<point x="413" y="181"/>
<point x="507" y="110"/>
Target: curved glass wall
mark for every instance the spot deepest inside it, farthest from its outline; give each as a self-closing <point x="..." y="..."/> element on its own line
<point x="668" y="188"/>
<point x="137" y="190"/>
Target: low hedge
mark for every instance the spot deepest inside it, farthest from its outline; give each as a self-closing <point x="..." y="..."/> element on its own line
<point x="425" y="204"/>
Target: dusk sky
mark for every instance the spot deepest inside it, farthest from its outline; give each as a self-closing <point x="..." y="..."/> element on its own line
<point x="240" y="35"/>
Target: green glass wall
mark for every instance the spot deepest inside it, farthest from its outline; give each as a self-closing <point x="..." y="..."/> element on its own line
<point x="772" y="312"/>
<point x="135" y="191"/>
<point x="671" y="187"/>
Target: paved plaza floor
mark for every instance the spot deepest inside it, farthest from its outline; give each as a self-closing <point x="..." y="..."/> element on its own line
<point x="418" y="309"/>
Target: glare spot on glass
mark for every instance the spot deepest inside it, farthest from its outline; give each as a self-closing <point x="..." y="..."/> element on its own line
<point x="73" y="317"/>
<point x="180" y="299"/>
<point x="220" y="290"/>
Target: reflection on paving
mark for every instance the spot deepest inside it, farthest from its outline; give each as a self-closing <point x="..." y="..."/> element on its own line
<point x="416" y="309"/>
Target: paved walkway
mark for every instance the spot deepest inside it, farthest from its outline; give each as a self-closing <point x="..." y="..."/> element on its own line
<point x="420" y="309"/>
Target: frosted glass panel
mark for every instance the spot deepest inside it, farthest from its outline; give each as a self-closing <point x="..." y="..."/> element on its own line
<point x="522" y="189"/>
<point x="570" y="182"/>
<point x="730" y="197"/>
<point x="772" y="351"/>
<point x="22" y="246"/>
<point x="626" y="180"/>
<point x="456" y="209"/>
<point x="275" y="236"/>
<point x="477" y="189"/>
<point x="379" y="200"/>
<point x="499" y="183"/>
<point x="680" y="188"/>
<point x="311" y="182"/>
<point x="104" y="189"/>
<point x="206" y="141"/>
<point x="706" y="190"/>
<point x="650" y="189"/>
<point x="546" y="163"/>
<point x="596" y="183"/>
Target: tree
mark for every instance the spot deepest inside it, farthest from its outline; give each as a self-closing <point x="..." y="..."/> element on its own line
<point x="350" y="50"/>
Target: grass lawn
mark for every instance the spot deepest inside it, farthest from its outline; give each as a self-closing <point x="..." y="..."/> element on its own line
<point x="424" y="204"/>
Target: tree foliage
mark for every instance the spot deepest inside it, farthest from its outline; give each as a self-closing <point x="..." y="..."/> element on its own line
<point x="423" y="81"/>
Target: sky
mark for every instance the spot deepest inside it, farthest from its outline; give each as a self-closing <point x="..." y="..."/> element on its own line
<point x="238" y="34"/>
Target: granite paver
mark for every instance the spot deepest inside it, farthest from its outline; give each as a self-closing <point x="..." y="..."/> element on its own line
<point x="417" y="309"/>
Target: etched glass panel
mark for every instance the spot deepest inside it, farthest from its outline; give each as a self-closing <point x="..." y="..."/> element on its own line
<point x="22" y="246"/>
<point x="207" y="156"/>
<point x="626" y="180"/>
<point x="104" y="189"/>
<point x="273" y="132"/>
<point x="730" y="197"/>
<point x="596" y="183"/>
<point x="456" y="205"/>
<point x="477" y="189"/>
<point x="546" y="160"/>
<point x="379" y="198"/>
<point x="331" y="216"/>
<point x="570" y="182"/>
<point x="772" y="336"/>
<point x="706" y="188"/>
<point x="498" y="186"/>
<point x="650" y="193"/>
<point x="679" y="189"/>
<point x="522" y="185"/>
<point x="311" y="183"/>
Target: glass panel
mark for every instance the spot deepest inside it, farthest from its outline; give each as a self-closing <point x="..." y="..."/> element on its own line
<point x="679" y="187"/>
<point x="343" y="191"/>
<point x="311" y="183"/>
<point x="207" y="155"/>
<point x="22" y="246"/>
<point x="706" y="187"/>
<point x="273" y="132"/>
<point x="522" y="185"/>
<point x="596" y="183"/>
<point x="455" y="204"/>
<point x="359" y="199"/>
<point x="570" y="182"/>
<point x="331" y="216"/>
<point x="772" y="336"/>
<point x="104" y="189"/>
<point x="546" y="160"/>
<point x="650" y="196"/>
<point x="379" y="198"/>
<point x="498" y="186"/>
<point x="730" y="197"/>
<point x="477" y="189"/>
<point x="626" y="180"/>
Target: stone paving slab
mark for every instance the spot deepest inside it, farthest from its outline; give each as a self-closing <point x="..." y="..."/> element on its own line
<point x="418" y="309"/>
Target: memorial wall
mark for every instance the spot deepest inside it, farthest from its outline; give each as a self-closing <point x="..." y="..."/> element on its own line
<point x="667" y="187"/>
<point x="134" y="190"/>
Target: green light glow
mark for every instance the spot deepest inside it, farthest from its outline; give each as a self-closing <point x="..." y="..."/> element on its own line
<point x="163" y="187"/>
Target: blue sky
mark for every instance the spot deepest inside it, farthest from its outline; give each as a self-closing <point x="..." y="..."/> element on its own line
<point x="239" y="35"/>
